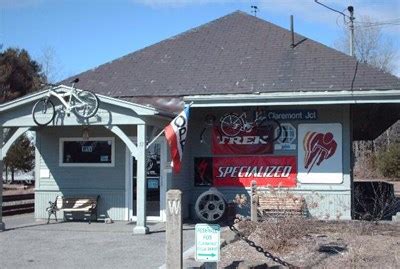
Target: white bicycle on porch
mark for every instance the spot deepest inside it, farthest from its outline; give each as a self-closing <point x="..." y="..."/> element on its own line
<point x="83" y="103"/>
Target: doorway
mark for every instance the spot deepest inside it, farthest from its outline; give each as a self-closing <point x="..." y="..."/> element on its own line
<point x="155" y="182"/>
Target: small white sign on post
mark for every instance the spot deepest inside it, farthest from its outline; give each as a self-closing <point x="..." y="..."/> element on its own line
<point x="207" y="242"/>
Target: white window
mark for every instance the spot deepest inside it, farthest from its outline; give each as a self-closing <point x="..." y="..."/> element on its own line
<point x="96" y="151"/>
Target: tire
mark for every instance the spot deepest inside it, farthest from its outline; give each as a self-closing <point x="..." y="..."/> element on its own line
<point x="43" y="112"/>
<point x="271" y="126"/>
<point x="231" y="124"/>
<point x="284" y="134"/>
<point x="90" y="106"/>
<point x="210" y="206"/>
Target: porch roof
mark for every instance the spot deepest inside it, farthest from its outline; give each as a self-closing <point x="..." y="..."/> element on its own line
<point x="112" y="111"/>
<point x="137" y="108"/>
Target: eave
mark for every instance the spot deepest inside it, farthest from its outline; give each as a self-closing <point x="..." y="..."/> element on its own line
<point x="295" y="98"/>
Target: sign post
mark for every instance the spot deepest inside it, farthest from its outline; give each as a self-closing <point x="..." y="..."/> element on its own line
<point x="208" y="243"/>
<point x="174" y="230"/>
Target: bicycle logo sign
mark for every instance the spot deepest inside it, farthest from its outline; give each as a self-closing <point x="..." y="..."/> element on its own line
<point x="233" y="124"/>
<point x="240" y="134"/>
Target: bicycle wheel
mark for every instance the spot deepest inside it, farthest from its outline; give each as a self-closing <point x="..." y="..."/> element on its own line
<point x="210" y="206"/>
<point x="87" y="105"/>
<point x="43" y="112"/>
<point x="231" y="124"/>
<point x="271" y="127"/>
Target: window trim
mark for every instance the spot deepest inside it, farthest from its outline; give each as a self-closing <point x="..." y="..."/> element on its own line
<point x="78" y="139"/>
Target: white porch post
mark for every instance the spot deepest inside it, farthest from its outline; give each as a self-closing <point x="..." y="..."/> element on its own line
<point x="2" y="225"/>
<point x="141" y="189"/>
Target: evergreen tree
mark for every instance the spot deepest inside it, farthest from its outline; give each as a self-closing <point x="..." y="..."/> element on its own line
<point x="19" y="74"/>
<point x="20" y="156"/>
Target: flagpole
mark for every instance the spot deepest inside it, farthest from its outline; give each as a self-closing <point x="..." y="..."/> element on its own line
<point x="163" y="130"/>
<point x="154" y="139"/>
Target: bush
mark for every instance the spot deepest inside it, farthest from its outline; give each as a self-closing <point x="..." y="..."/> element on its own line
<point x="388" y="162"/>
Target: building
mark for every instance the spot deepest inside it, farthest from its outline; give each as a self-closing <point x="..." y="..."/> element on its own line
<point x="240" y="72"/>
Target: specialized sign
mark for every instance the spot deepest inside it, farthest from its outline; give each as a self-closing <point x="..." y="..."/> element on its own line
<point x="320" y="153"/>
<point x="207" y="242"/>
<point x="254" y="141"/>
<point x="265" y="170"/>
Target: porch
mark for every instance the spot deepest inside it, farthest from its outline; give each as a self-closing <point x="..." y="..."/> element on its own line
<point x="121" y="131"/>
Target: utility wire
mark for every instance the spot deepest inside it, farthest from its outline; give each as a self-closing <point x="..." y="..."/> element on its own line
<point x="335" y="10"/>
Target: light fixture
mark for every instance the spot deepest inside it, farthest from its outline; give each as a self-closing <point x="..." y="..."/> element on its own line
<point x="85" y="133"/>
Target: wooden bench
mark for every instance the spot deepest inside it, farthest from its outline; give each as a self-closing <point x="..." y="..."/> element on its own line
<point x="277" y="205"/>
<point x="86" y="204"/>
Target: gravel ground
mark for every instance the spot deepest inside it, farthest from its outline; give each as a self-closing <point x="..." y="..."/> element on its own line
<point x="345" y="244"/>
<point x="30" y="244"/>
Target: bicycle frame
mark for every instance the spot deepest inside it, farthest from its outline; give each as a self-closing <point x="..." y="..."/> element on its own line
<point x="70" y="94"/>
<point x="249" y="125"/>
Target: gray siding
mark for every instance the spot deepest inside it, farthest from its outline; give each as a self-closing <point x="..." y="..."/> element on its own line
<point x="108" y="182"/>
<point x="336" y="198"/>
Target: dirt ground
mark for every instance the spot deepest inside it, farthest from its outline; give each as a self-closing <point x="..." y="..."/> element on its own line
<point x="316" y="244"/>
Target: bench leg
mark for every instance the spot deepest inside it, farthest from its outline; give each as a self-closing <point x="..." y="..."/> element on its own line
<point x="51" y="212"/>
<point x="48" y="218"/>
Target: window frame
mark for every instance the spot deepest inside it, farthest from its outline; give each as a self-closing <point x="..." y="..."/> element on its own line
<point x="79" y="139"/>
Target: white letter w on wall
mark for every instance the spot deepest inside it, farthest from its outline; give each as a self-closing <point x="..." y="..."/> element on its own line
<point x="174" y="207"/>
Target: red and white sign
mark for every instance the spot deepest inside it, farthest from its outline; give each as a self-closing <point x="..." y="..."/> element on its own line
<point x="250" y="142"/>
<point x="266" y="170"/>
<point x="320" y="153"/>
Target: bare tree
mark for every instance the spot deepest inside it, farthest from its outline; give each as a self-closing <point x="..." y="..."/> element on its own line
<point x="371" y="45"/>
<point x="50" y="64"/>
<point x="374" y="48"/>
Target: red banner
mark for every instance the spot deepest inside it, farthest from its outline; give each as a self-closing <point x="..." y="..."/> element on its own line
<point x="251" y="142"/>
<point x="267" y="171"/>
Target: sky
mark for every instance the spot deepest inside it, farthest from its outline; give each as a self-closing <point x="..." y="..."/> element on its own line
<point x="82" y="34"/>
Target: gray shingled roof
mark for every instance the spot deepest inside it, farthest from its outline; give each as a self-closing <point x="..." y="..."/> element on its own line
<point x="237" y="53"/>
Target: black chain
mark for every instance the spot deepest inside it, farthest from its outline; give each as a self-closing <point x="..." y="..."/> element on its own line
<point x="261" y="250"/>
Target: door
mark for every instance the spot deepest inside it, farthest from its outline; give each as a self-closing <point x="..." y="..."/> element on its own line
<point x="155" y="178"/>
<point x="153" y="161"/>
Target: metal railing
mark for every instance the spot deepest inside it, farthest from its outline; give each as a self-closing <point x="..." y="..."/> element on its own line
<point x="18" y="204"/>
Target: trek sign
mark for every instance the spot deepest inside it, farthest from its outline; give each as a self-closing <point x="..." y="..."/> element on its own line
<point x="207" y="242"/>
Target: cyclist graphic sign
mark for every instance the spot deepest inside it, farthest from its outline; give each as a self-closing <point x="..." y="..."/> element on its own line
<point x="320" y="153"/>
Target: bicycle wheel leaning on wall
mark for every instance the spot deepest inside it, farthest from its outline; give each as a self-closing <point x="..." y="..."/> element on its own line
<point x="273" y="127"/>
